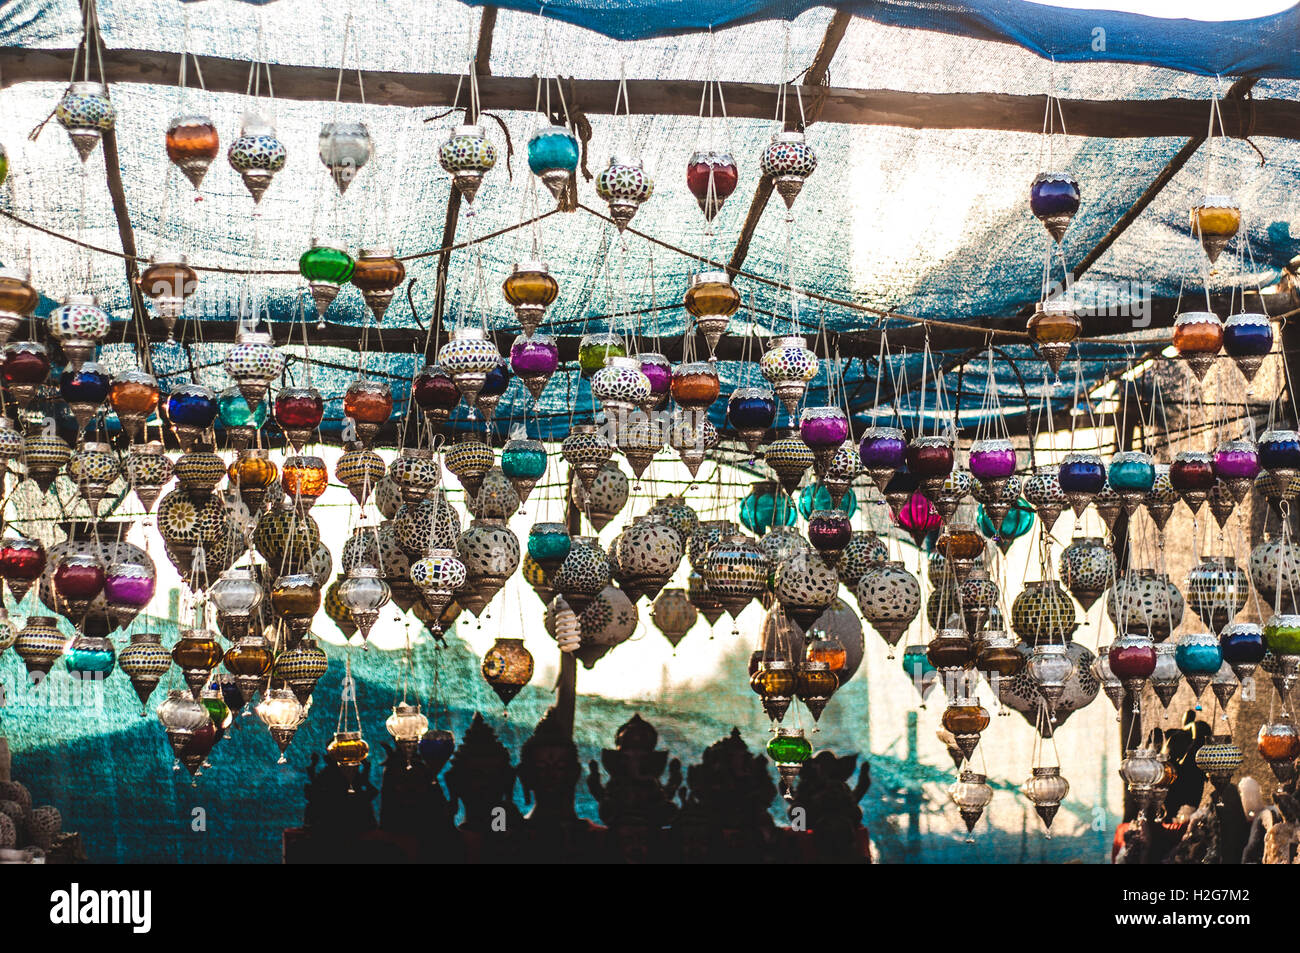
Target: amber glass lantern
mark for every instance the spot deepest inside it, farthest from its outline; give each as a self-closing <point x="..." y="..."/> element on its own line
<point x="777" y="681"/>
<point x="1053" y="328"/>
<point x="695" y="385"/>
<point x="304" y="479"/>
<point x="962" y="545"/>
<point x="133" y="395"/>
<point x="530" y="290"/>
<point x="712" y="301"/>
<point x="826" y="648"/>
<point x="1198" y="337"/>
<point x="816" y="684"/>
<point x="348" y="750"/>
<point x="508" y="667"/>
<point x="296" y="598"/>
<point x="1215" y="221"/>
<point x="965" y="718"/>
<point x="369" y="403"/>
<point x="18" y="299"/>
<point x="377" y="274"/>
<point x="249" y="660"/>
<point x="253" y="474"/>
<point x="197" y="653"/>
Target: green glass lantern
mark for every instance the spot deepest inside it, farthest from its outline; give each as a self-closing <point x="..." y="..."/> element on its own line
<point x="1018" y="521"/>
<point x="789" y="749"/>
<point x="595" y="350"/>
<point x="816" y="497"/>
<point x="326" y="267"/>
<point x="765" y="508"/>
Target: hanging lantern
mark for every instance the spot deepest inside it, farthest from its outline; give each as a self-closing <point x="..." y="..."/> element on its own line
<point x="254" y="475"/>
<point x="824" y="430"/>
<point x="751" y="411"/>
<point x="86" y="112"/>
<point x="584" y="573"/>
<point x="1166" y="677"/>
<point x="295" y="599"/>
<point x="169" y="280"/>
<point x="649" y="552"/>
<point x="1214" y="222"/>
<point x="923" y="675"/>
<point x="197" y="654"/>
<point x="735" y="572"/>
<point x="1282" y="640"/>
<point x="530" y="290"/>
<point x="377" y="273"/>
<point x="890" y="598"/>
<point x="26" y="367"/>
<point x="40" y="644"/>
<point x="639" y="440"/>
<point x="325" y="266"/>
<point x="416" y="473"/>
<point x="992" y="462"/>
<point x="438" y="576"/>
<point x="1132" y="658"/>
<point x="144" y="662"/>
<point x="238" y="419"/>
<point x="673" y="615"/>
<point x="1219" y="758"/>
<point x="815" y="685"/>
<point x="1199" y="659"/>
<point x="286" y="539"/>
<point x="85" y="391"/>
<point x="829" y="531"/>
<point x="183" y="718"/>
<point x="1225" y="683"/>
<point x="1145" y="601"/>
<point x="1236" y="463"/>
<point x="304" y="480"/>
<point x="360" y="471"/>
<point x="199" y="471"/>
<point x="253" y="362"/>
<point x="364" y="593"/>
<point x="192" y="143"/>
<point x="344" y="149"/>
<point x="604" y="499"/>
<point x="1198" y="336"/>
<point x="805" y="586"/>
<point x="436" y="393"/>
<point x="596" y="348"/>
<point x="92" y="467"/>
<point x="548" y="545"/>
<point x="962" y="547"/>
<point x="621" y="388"/>
<point x="1217" y="589"/>
<point x="697" y="591"/>
<point x="1247" y="339"/>
<point x="712" y="178"/>
<point x="1054" y="199"/>
<point x="1162" y="498"/>
<point x="468" y="357"/>
<point x="711" y="300"/>
<point x="790" y="457"/>
<point x="12" y="444"/>
<point x="1222" y="503"/>
<point x="978" y="597"/>
<point x="1108" y="505"/>
<point x="47" y="454"/>
<point x="788" y="365"/>
<point x="1046" y="789"/>
<point x="282" y="713"/>
<point x="1131" y="475"/>
<point x="659" y="372"/>
<point x="553" y="154"/>
<point x="1109" y="681"/>
<point x="624" y="185"/>
<point x="1274" y="569"/>
<point x="256" y="155"/>
<point x="534" y="359"/>
<point x="18" y="299"/>
<point x="789" y="749"/>
<point x="965" y="718"/>
<point x="369" y="404"/>
<point x="765" y="508"/>
<point x="301" y="667"/>
<point x="507" y="667"/>
<point x="1042" y="612"/>
<point x="1087" y="567"/>
<point x="787" y="161"/>
<point x="249" y="661"/>
<point x="407" y="725"/>
<point x="78" y="579"/>
<point x="191" y="408"/>
<point x="586" y="449"/>
<point x="235" y="595"/>
<point x="467" y="156"/>
<point x="695" y="385"/>
<point x="490" y="552"/>
<point x="134" y="397"/>
<point x="496" y="498"/>
<point x="1279" y="456"/>
<point x="883" y="452"/>
<point x="1279" y="745"/>
<point x="930" y="459"/>
<point x="22" y="561"/>
<point x="1081" y="476"/>
<point x="865" y="551"/>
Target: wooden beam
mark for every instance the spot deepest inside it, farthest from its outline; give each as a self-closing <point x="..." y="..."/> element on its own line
<point x="1106" y="119"/>
<point x="1236" y="93"/>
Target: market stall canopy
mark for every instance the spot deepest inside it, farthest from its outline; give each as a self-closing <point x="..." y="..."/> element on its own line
<point x="929" y="223"/>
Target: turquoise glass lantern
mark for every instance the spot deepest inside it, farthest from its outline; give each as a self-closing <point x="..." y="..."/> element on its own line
<point x="1018" y="521"/>
<point x="234" y="411"/>
<point x="523" y="459"/>
<point x="552" y="149"/>
<point x="816" y="497"/>
<point x="90" y="656"/>
<point x="1133" y="471"/>
<point x="766" y="508"/>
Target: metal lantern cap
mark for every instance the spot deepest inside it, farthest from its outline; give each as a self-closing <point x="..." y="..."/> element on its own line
<point x="96" y="447"/>
<point x="530" y="265"/>
<point x="188" y="119"/>
<point x="472" y="130"/>
<point x="634" y="162"/>
<point x="82" y="298"/>
<point x="710" y="278"/>
<point x="1196" y="317"/>
<point x="331" y="243"/>
<point x="376" y="251"/>
<point x="168" y="256"/>
<point x="15" y="273"/>
<point x="1218" y="201"/>
<point x="469" y="334"/>
<point x="788" y="135"/>
<point x="787" y="341"/>
<point x="84" y="87"/>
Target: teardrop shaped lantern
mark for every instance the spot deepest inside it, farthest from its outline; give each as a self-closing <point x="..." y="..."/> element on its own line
<point x="468" y="357"/>
<point x="1054" y="199"/>
<point x="787" y="161"/>
<point x="1214" y="222"/>
<point x="1198" y="336"/>
<point x="553" y="154"/>
<point x="711" y="300"/>
<point x="326" y="266"/>
<point x="169" y="280"/>
<point x="534" y="358"/>
<point x="711" y="177"/>
<point x="586" y="449"/>
<point x="85" y="390"/>
<point x="369" y="404"/>
<point x="624" y="186"/>
<point x="377" y="273"/>
<point x="523" y="461"/>
<point x="18" y="299"/>
<point x="788" y="365"/>
<point x="467" y="156"/>
<point x="92" y="467"/>
<point x="621" y="388"/>
<point x="751" y="411"/>
<point x="192" y="143"/>
<point x="86" y="112"/>
<point x="530" y="290"/>
<point x="191" y="408"/>
<point x="344" y="149"/>
<point x="1247" y="339"/>
<point x="257" y="155"/>
<point x="79" y="325"/>
<point x="253" y="362"/>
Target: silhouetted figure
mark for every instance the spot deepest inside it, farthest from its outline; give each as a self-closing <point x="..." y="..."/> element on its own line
<point x="482" y="779"/>
<point x="414" y="806"/>
<point x="634" y="804"/>
<point x="834" y="832"/>
<point x="724" y="817"/>
<point x="549" y="771"/>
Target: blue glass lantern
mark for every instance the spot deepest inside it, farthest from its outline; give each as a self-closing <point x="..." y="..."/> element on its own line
<point x="89" y="656"/>
<point x="523" y="459"/>
<point x="88" y="384"/>
<point x="1279" y="450"/>
<point x="1054" y="199"/>
<point x="1131" y="470"/>
<point x="767" y="507"/>
<point x="436" y="748"/>
<point x="816" y="497"/>
<point x="192" y="405"/>
<point x="1199" y="658"/>
<point x="751" y="411"/>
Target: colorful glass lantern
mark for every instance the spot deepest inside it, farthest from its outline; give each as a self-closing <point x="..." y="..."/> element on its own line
<point x="1247" y="339"/>
<point x="377" y="273"/>
<point x="1217" y="589"/>
<point x="1054" y="199"/>
<point x="735" y="572"/>
<point x="1198" y="336"/>
<point x="79" y="325"/>
<point x="1087" y="567"/>
<point x="659" y="372"/>
<point x="534" y="359"/>
<point x="966" y="718"/>
<point x="436" y="393"/>
<point x="468" y="357"/>
<point x="191" y="408"/>
<point x="1081" y="477"/>
<point x="930" y="459"/>
<point x="530" y="290"/>
<point x="787" y="161"/>
<point x="1018" y="521"/>
<point x="711" y="300"/>
<point x="1199" y="659"/>
<point x="507" y="667"/>
<point x="883" y="452"/>
<point x="344" y="149"/>
<point x="586" y="449"/>
<point x="1053" y="328"/>
<point x="239" y="420"/>
<point x="369" y="403"/>
<point x="134" y="397"/>
<point x="789" y="457"/>
<point x="890" y="598"/>
<point x="86" y="112"/>
<point x="815" y="497"/>
<point x="326" y="266"/>
<point x="467" y="156"/>
<point x="407" y="724"/>
<point x="918" y="517"/>
<point x="18" y="299"/>
<point x="548" y="545"/>
<point x="621" y="388"/>
<point x="22" y="560"/>
<point x="824" y="430"/>
<point x="1236" y="463"/>
<point x="1131" y="475"/>
<point x="1243" y="647"/>
<point x="1219" y="758"/>
<point x="712" y="178"/>
<point x="751" y="411"/>
<point x="1279" y="745"/>
<point x="92" y="467"/>
<point x="304" y="479"/>
<point x="992" y="461"/>
<point x="192" y="143"/>
<point x="26" y="367"/>
<point x="788" y="365"/>
<point x="253" y="362"/>
<point x="235" y="595"/>
<point x="597" y="347"/>
<point x="695" y="385"/>
<point x="1132" y="658"/>
<point x="1192" y="475"/>
<point x="829" y="532"/>
<point x="85" y="390"/>
<point x="438" y="576"/>
<point x="553" y="154"/>
<point x="789" y="749"/>
<point x="169" y="280"/>
<point x="144" y="662"/>
<point x="624" y="185"/>
<point x="1214" y="222"/>
<point x="523" y="461"/>
<point x="282" y="713"/>
<point x="256" y="155"/>
<point x="764" y="508"/>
